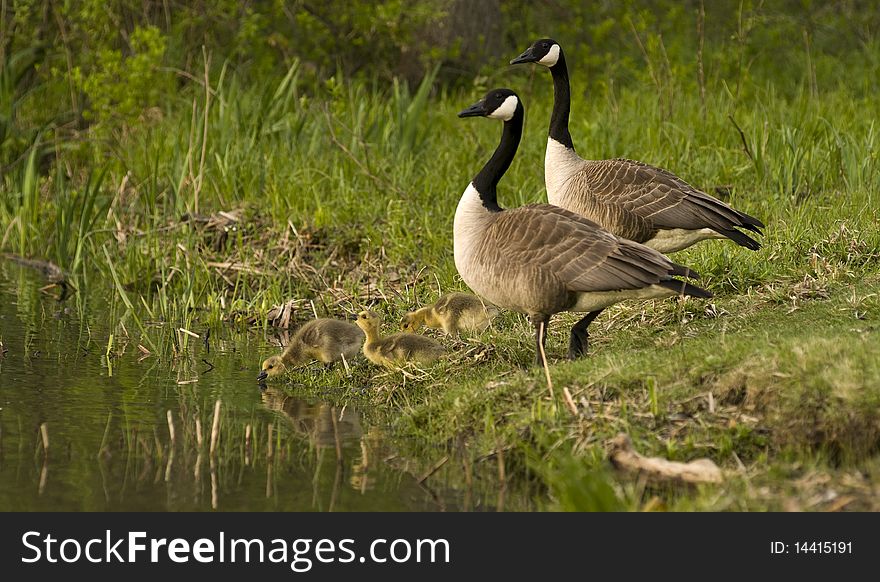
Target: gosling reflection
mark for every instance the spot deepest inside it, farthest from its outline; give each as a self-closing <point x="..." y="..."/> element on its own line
<point x="324" y="425"/>
<point x="333" y="431"/>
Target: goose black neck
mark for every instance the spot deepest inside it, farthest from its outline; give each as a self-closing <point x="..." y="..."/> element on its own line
<point x="561" y="103"/>
<point x="486" y="181"/>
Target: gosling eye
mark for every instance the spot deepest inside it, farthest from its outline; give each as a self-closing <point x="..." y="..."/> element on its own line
<point x="271" y="366"/>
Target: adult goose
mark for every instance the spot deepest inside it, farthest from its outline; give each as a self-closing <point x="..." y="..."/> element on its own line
<point x="540" y="259"/>
<point x="630" y="199"/>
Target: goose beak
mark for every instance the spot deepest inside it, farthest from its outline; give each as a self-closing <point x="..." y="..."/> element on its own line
<point x="527" y="57"/>
<point x="262" y="377"/>
<point x="478" y="109"/>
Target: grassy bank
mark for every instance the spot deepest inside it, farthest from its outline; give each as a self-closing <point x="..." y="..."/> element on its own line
<point x="235" y="201"/>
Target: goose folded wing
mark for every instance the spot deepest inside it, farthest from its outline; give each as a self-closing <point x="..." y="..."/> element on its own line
<point x="558" y="243"/>
<point x="663" y="198"/>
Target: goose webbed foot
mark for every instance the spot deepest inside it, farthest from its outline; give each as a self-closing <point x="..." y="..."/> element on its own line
<point x="579" y="341"/>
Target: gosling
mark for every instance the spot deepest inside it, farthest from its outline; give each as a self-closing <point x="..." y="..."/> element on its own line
<point x="453" y="313"/>
<point x="396" y="349"/>
<point x="325" y="340"/>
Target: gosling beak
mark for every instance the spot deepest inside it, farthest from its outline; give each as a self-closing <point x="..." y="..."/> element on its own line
<point x="527" y="57"/>
<point x="263" y="375"/>
<point x="478" y="109"/>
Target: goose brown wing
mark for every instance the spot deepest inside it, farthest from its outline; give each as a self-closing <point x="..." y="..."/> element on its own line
<point x="575" y="250"/>
<point x="662" y="197"/>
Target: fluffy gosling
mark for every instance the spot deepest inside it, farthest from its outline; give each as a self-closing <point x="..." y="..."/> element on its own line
<point x="453" y="313"/>
<point x="325" y="340"/>
<point x="396" y="349"/>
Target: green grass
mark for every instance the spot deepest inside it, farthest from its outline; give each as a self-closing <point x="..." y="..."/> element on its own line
<point x="343" y="197"/>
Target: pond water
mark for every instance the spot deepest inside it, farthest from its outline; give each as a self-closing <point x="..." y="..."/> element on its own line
<point x="108" y="419"/>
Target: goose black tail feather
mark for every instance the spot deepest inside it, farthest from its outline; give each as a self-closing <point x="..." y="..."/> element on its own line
<point x="685" y="288"/>
<point x="741" y="239"/>
<point x="682" y="271"/>
<point x="750" y="222"/>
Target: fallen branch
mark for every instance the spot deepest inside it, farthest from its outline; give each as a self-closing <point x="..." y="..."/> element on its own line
<point x="625" y="458"/>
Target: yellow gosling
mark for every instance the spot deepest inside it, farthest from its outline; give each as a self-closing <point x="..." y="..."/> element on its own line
<point x="396" y="349"/>
<point x="325" y="340"/>
<point x="453" y="313"/>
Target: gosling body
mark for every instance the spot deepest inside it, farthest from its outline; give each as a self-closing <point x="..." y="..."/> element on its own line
<point x="325" y="340"/>
<point x="453" y="313"/>
<point x="397" y="349"/>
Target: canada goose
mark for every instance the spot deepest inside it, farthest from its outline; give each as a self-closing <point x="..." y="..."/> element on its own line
<point x="326" y="340"/>
<point x="630" y="199"/>
<point x="453" y="313"/>
<point x="393" y="350"/>
<point x="540" y="259"/>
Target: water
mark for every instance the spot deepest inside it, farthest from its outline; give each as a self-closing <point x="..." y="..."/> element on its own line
<point x="109" y="441"/>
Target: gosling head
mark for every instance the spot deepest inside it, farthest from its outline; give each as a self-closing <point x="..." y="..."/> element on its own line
<point x="410" y="322"/>
<point x="543" y="51"/>
<point x="368" y="320"/>
<point x="497" y="104"/>
<point x="272" y="366"/>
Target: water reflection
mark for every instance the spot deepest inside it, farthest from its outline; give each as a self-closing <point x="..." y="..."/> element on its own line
<point x="330" y="427"/>
<point x="93" y="423"/>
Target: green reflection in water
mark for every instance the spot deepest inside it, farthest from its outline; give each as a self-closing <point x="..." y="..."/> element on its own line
<point x="105" y="406"/>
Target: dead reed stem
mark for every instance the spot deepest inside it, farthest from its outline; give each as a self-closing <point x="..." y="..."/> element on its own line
<point x="170" y="418"/>
<point x="247" y="445"/>
<point x="215" y="429"/>
<point x="44" y="434"/>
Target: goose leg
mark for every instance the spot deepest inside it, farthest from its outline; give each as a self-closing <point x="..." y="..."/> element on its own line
<point x="580" y="337"/>
<point x="540" y="322"/>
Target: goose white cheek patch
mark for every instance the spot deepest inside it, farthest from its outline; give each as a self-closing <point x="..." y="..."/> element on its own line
<point x="506" y="110"/>
<point x="551" y="57"/>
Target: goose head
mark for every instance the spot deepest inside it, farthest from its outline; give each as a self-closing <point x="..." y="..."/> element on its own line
<point x="368" y="321"/>
<point x="410" y="322"/>
<point x="271" y="367"/>
<point x="543" y="51"/>
<point x="497" y="104"/>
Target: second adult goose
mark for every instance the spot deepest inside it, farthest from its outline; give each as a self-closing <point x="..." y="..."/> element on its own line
<point x="541" y="259"/>
<point x="631" y="199"/>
